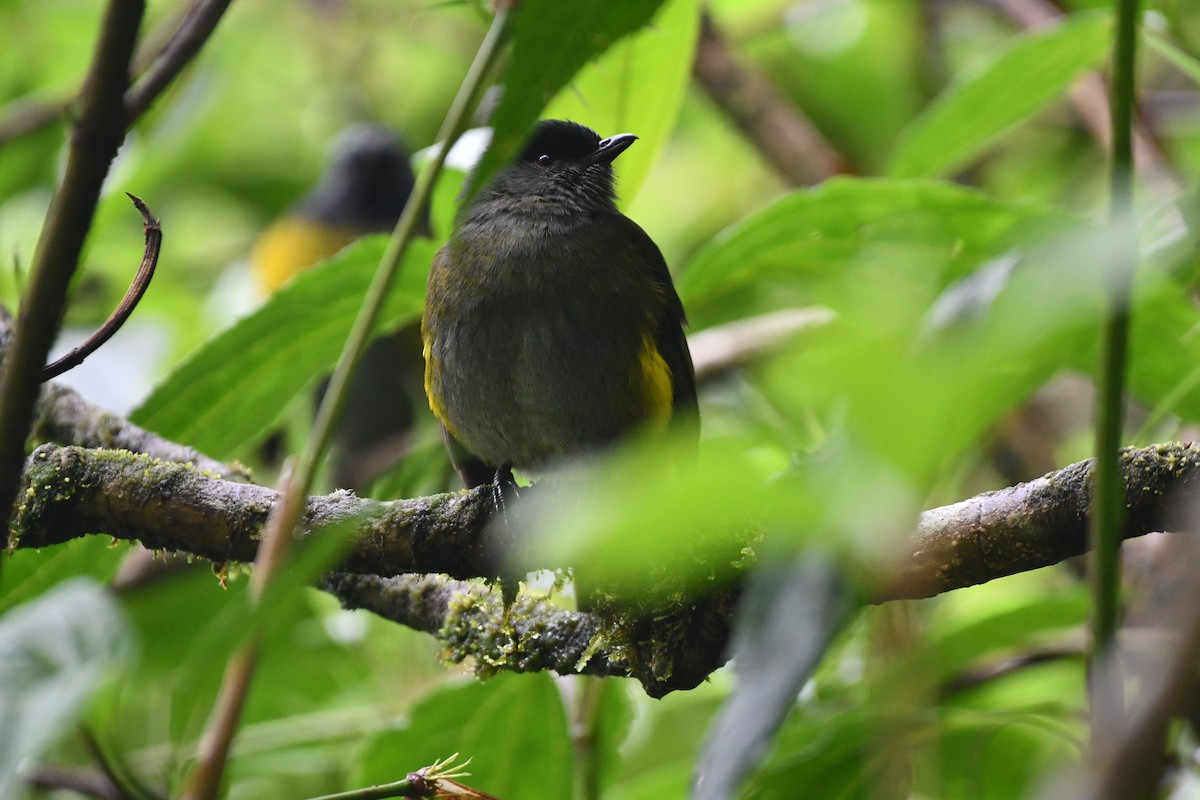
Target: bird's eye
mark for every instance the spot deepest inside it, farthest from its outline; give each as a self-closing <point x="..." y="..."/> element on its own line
<point x="544" y="160"/>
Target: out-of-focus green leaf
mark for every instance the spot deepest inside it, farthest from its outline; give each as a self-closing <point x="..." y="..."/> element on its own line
<point x="661" y="754"/>
<point x="955" y="647"/>
<point x="234" y="388"/>
<point x="551" y="40"/>
<point x="55" y="652"/>
<point x="512" y="727"/>
<point x="1011" y="86"/>
<point x="1182" y="61"/>
<point x="637" y="86"/>
<point x="811" y="242"/>
<point x="1164" y="352"/>
<point x="28" y="573"/>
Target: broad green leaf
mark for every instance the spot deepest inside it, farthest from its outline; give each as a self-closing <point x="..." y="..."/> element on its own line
<point x="233" y="389"/>
<point x="56" y="651"/>
<point x="512" y="727"/>
<point x="812" y="238"/>
<point x="1010" y="87"/>
<point x="637" y="86"/>
<point x="551" y="40"/>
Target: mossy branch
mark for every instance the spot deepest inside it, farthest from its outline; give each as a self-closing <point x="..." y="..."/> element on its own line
<point x="69" y="492"/>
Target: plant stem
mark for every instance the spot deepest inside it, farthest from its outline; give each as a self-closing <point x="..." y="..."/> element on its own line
<point x="584" y="709"/>
<point x="277" y="533"/>
<point x="1109" y="495"/>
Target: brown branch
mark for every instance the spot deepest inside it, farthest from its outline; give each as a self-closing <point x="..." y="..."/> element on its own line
<point x="86" y="783"/>
<point x="736" y="344"/>
<point x="62" y="416"/>
<point x="1039" y="523"/>
<point x="788" y="142"/>
<point x="141" y="282"/>
<point x="1156" y="659"/>
<point x="195" y="29"/>
<point x="163" y="61"/>
<point x="29" y="114"/>
<point x="95" y="138"/>
<point x="73" y="492"/>
<point x="174" y="507"/>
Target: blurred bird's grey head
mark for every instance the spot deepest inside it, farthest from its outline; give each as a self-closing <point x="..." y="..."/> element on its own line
<point x="367" y="182"/>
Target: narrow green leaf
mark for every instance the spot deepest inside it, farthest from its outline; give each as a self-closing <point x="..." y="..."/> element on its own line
<point x="233" y="389"/>
<point x="56" y="651"/>
<point x="636" y="87"/>
<point x="1182" y="61"/>
<point x="551" y="41"/>
<point x="1163" y="353"/>
<point x="1010" y="87"/>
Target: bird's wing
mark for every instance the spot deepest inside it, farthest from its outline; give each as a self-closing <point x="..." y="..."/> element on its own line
<point x="669" y="329"/>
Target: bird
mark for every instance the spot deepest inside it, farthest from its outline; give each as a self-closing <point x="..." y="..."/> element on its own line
<point x="362" y="191"/>
<point x="551" y="329"/>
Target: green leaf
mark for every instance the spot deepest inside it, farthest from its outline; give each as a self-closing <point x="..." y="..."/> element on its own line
<point x="512" y="728"/>
<point x="1164" y="352"/>
<point x="56" y="651"/>
<point x="551" y="40"/>
<point x="1009" y="88"/>
<point x="233" y="389"/>
<point x="636" y="87"/>
<point x="1182" y="61"/>
<point x="805" y="243"/>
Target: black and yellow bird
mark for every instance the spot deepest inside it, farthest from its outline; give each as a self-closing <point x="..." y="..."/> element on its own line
<point x="552" y="329"/>
<point x="362" y="191"/>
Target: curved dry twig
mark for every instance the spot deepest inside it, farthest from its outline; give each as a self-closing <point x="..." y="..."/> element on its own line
<point x="141" y="282"/>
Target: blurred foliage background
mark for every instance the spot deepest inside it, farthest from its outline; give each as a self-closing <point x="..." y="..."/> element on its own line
<point x="960" y="251"/>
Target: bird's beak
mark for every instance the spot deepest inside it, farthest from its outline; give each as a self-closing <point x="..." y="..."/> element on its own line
<point x="613" y="146"/>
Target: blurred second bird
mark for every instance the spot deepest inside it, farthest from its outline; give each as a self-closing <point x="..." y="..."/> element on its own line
<point x="362" y="191"/>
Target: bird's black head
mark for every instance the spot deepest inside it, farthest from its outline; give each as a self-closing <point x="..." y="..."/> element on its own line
<point x="567" y="163"/>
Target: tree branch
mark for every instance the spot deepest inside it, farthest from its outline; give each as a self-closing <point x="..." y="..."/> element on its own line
<point x="94" y="141"/>
<point x="72" y="492"/>
<point x="1039" y="523"/>
<point x="785" y="138"/>
<point x="195" y="29"/>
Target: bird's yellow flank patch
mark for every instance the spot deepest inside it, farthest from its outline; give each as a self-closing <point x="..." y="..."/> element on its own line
<point x="435" y="404"/>
<point x="656" y="385"/>
<point x="290" y="245"/>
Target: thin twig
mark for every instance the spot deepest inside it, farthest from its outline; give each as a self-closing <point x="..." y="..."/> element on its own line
<point x="141" y="282"/>
<point x="163" y="63"/>
<point x="95" y="138"/>
<point x="285" y="515"/>
<point x="87" y="783"/>
<point x="193" y="32"/>
<point x="735" y="344"/>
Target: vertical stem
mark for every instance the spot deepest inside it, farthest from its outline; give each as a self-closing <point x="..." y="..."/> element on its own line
<point x="95" y="137"/>
<point x="584" y="710"/>
<point x="205" y="781"/>
<point x="1109" y="495"/>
